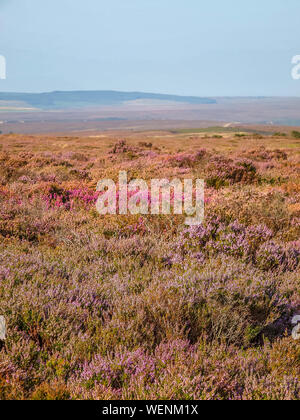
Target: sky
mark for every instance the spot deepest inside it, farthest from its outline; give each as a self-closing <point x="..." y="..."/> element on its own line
<point x="185" y="47"/>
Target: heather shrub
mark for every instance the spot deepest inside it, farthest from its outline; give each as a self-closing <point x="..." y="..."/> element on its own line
<point x="222" y="172"/>
<point x="121" y="148"/>
<point x="188" y="160"/>
<point x="251" y="206"/>
<point x="273" y="256"/>
<point x="296" y="134"/>
<point x="218" y="237"/>
<point x="263" y="154"/>
<point x="46" y="392"/>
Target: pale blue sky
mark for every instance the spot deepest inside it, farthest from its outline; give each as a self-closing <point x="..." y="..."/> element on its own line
<point x="189" y="47"/>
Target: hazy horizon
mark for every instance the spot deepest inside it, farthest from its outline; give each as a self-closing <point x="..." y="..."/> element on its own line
<point x="201" y="49"/>
<point x="147" y="92"/>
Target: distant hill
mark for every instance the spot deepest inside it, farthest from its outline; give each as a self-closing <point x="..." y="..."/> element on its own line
<point x="83" y="99"/>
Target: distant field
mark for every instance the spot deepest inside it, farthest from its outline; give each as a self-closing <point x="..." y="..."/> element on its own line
<point x="59" y="112"/>
<point x="220" y="130"/>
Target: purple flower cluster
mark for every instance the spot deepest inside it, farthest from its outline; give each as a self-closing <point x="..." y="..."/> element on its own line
<point x="252" y="244"/>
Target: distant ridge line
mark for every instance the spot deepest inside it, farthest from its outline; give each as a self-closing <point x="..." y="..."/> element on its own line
<point x="81" y="99"/>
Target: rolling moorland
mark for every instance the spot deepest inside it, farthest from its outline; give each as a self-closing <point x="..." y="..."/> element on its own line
<point x="142" y="307"/>
<point x="75" y="112"/>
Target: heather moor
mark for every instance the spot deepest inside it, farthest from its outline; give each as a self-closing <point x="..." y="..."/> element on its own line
<point x="143" y="306"/>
